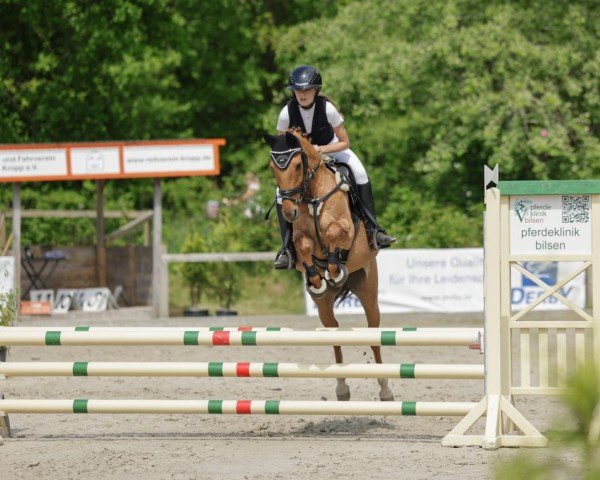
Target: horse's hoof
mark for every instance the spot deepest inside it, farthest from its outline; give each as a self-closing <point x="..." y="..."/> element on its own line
<point x="340" y="279"/>
<point x="386" y="396"/>
<point x="343" y="397"/>
<point x="317" y="293"/>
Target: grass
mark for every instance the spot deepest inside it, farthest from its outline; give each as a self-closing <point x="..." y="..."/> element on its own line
<point x="268" y="293"/>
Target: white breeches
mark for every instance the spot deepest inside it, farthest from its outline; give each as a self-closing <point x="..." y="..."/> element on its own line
<point x="348" y="157"/>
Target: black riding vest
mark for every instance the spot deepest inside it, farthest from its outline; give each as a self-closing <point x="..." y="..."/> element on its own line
<point x="322" y="131"/>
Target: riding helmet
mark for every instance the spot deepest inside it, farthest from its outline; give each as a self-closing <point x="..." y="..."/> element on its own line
<point x="304" y="77"/>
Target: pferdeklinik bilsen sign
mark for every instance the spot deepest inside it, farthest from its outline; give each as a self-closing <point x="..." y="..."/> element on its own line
<point x="104" y="160"/>
<point x="550" y="224"/>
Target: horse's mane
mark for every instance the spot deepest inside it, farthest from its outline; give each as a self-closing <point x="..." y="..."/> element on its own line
<point x="306" y="145"/>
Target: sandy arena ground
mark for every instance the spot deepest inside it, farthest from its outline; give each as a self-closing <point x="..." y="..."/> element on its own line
<point x="245" y="446"/>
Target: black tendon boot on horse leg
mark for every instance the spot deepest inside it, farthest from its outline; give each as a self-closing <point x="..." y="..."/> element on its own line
<point x="285" y="257"/>
<point x="379" y="237"/>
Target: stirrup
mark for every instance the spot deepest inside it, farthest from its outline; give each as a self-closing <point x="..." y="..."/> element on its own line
<point x="284" y="260"/>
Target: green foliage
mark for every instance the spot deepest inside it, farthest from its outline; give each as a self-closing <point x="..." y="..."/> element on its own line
<point x="9" y="308"/>
<point x="196" y="275"/>
<point x="582" y="398"/>
<point x="431" y="91"/>
<point x="222" y="281"/>
<point x="445" y="87"/>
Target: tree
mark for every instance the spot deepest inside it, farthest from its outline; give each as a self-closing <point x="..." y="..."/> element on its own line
<point x="445" y="87"/>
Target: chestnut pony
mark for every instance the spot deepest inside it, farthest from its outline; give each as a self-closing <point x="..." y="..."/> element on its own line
<point x="315" y="200"/>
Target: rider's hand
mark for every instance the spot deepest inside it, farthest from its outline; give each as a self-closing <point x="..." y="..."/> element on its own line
<point x="318" y="148"/>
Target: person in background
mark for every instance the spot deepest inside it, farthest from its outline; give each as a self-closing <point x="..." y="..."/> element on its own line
<point x="315" y="114"/>
<point x="252" y="187"/>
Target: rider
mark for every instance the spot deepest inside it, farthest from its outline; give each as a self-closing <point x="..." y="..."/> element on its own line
<point x="316" y="116"/>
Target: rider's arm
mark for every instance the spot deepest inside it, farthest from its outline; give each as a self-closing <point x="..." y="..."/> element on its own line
<point x="343" y="142"/>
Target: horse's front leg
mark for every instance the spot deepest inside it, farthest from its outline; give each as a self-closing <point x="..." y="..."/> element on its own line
<point x="315" y="285"/>
<point x="337" y="236"/>
<point x="364" y="284"/>
<point x="327" y="317"/>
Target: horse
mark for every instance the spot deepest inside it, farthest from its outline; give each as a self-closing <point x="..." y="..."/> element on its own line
<point x="316" y="201"/>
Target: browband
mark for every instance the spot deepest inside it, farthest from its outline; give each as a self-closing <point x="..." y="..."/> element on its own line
<point x="283" y="159"/>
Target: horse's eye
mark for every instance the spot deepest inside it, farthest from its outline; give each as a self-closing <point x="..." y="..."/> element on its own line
<point x="297" y="167"/>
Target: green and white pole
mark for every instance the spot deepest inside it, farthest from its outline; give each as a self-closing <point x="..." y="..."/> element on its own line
<point x="241" y="369"/>
<point x="268" y="407"/>
<point x="10" y="337"/>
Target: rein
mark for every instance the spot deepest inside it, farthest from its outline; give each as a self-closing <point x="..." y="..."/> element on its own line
<point x="307" y="177"/>
<point x="315" y="202"/>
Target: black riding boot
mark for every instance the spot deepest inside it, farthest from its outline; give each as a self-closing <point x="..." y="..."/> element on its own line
<point x="285" y="257"/>
<point x="378" y="235"/>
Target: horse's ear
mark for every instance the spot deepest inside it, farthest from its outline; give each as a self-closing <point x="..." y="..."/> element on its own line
<point x="269" y="139"/>
<point x="291" y="139"/>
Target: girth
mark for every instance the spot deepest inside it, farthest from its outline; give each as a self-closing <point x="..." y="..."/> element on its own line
<point x="344" y="254"/>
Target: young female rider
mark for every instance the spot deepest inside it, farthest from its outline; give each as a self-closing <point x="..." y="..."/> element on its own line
<point x="319" y="118"/>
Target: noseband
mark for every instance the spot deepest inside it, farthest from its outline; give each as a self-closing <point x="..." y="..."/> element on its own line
<point x="282" y="160"/>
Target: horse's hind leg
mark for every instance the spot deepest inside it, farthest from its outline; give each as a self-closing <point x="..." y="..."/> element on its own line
<point x="364" y="284"/>
<point x="325" y="308"/>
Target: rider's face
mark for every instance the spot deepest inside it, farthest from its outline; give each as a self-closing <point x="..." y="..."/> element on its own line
<point x="305" y="97"/>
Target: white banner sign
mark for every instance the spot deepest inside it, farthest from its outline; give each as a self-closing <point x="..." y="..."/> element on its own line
<point x="432" y="280"/>
<point x="543" y="224"/>
<point x="101" y="160"/>
<point x="171" y="158"/>
<point x="451" y="280"/>
<point x="33" y="163"/>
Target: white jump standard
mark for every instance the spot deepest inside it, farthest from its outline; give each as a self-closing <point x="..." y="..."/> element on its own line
<point x="507" y="208"/>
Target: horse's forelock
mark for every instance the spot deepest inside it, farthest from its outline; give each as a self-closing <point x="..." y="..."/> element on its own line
<point x="285" y="142"/>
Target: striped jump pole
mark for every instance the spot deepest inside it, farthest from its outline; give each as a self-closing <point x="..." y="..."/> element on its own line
<point x="243" y="328"/>
<point x="240" y="369"/>
<point x="273" y="407"/>
<point x="10" y="337"/>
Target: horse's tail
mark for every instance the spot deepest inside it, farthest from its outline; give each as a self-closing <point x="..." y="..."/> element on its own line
<point x="343" y="294"/>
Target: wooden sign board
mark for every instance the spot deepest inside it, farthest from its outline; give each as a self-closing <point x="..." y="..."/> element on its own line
<point x="105" y="160"/>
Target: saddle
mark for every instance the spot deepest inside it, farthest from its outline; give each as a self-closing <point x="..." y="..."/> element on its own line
<point x="356" y="209"/>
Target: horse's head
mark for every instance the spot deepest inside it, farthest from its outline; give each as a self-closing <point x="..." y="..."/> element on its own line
<point x="291" y="159"/>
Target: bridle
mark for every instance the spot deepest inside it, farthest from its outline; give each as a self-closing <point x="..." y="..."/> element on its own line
<point x="297" y="195"/>
<point x="282" y="160"/>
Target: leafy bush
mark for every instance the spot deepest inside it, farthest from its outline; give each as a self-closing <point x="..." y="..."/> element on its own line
<point x="221" y="281"/>
<point x="582" y="398"/>
<point x="9" y="308"/>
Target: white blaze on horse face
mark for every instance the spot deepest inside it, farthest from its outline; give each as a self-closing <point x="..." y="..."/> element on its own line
<point x="290" y="211"/>
<point x="289" y="179"/>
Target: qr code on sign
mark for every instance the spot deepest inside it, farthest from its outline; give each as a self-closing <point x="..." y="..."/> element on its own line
<point x="576" y="208"/>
